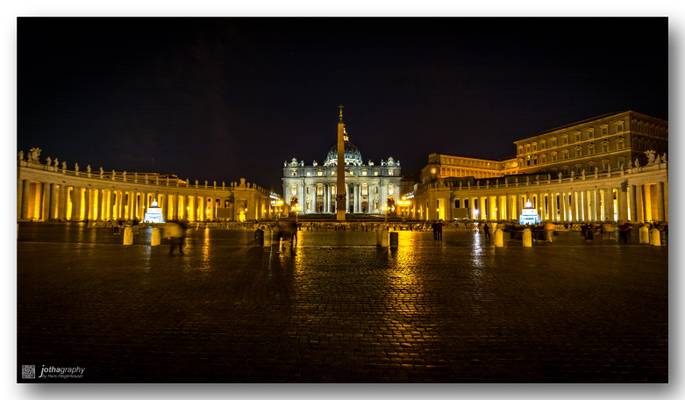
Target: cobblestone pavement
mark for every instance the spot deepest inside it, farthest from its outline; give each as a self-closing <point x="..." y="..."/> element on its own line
<point x="338" y="309"/>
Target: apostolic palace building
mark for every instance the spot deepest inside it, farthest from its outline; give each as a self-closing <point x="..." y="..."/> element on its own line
<point x="612" y="167"/>
<point x="370" y="188"/>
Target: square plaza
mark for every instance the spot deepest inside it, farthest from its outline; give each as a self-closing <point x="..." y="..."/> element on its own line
<point x="337" y="308"/>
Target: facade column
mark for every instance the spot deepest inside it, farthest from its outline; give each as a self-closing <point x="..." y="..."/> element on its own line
<point x="573" y="206"/>
<point x="62" y="204"/>
<point x="123" y="206"/>
<point x="325" y="198"/>
<point x="649" y="201"/>
<point x="87" y="203"/>
<point x="664" y="196"/>
<point x="610" y="204"/>
<point x="659" y="186"/>
<point x="622" y="205"/>
<point x="54" y="198"/>
<point x="26" y="195"/>
<point x="633" y="203"/>
<point x="76" y="214"/>
<point x="514" y="207"/>
<point x="101" y="208"/>
<point x="640" y="204"/>
<point x="20" y="196"/>
<point x="45" y="201"/>
<point x="137" y="200"/>
<point x="117" y="205"/>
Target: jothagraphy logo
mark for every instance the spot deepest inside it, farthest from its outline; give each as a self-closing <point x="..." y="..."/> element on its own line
<point x="28" y="372"/>
<point x="50" y="371"/>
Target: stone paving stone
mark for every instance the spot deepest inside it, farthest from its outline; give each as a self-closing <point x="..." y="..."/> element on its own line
<point x="338" y="309"/>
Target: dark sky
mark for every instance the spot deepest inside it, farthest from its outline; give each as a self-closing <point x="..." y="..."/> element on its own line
<point x="224" y="98"/>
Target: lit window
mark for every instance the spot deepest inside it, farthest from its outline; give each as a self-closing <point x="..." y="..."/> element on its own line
<point x="579" y="151"/>
<point x="577" y="136"/>
<point x="605" y="146"/>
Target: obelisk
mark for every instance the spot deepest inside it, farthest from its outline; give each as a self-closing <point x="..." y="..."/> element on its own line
<point x="340" y="171"/>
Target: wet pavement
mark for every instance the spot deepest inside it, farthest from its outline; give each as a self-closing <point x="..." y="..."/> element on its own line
<point x="338" y="309"/>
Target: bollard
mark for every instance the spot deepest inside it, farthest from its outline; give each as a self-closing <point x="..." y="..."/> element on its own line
<point x="644" y="234"/>
<point x="394" y="240"/>
<point x="156" y="238"/>
<point x="527" y="238"/>
<point x="499" y="237"/>
<point x="128" y="236"/>
<point x="655" y="237"/>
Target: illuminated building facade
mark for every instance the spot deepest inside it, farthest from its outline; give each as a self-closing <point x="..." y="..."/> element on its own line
<point x="48" y="190"/>
<point x="441" y="166"/>
<point x="611" y="167"/>
<point x="370" y="188"/>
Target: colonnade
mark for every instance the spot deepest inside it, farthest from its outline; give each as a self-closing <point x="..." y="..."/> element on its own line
<point x="47" y="193"/>
<point x="640" y="195"/>
<point x="42" y="201"/>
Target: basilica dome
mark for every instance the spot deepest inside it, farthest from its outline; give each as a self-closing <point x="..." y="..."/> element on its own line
<point x="352" y="155"/>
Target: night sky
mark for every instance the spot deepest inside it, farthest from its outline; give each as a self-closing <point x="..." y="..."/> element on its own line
<point x="225" y="98"/>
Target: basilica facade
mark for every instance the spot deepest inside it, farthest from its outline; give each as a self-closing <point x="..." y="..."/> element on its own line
<point x="370" y="188"/>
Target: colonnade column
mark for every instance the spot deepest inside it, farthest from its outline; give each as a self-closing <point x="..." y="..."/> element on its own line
<point x="622" y="205"/>
<point x="610" y="205"/>
<point x="659" y="186"/>
<point x="54" y="201"/>
<point x="77" y="195"/>
<point x="631" y="204"/>
<point x="62" y="213"/>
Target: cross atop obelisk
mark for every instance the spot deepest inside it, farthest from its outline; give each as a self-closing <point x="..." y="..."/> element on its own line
<point x="340" y="171"/>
